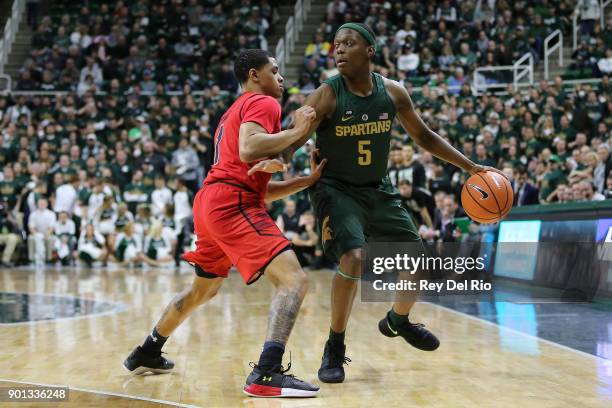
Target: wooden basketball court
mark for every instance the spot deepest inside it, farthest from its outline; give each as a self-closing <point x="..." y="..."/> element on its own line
<point x="478" y="363"/>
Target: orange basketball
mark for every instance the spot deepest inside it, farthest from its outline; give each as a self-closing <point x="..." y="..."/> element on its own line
<point x="487" y="197"/>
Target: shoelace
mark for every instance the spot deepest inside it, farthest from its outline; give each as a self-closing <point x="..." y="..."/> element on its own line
<point x="340" y="359"/>
<point x="282" y="370"/>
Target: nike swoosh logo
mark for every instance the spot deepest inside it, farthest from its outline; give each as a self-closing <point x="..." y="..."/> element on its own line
<point x="389" y="326"/>
<point x="485" y="195"/>
<point x="345" y="119"/>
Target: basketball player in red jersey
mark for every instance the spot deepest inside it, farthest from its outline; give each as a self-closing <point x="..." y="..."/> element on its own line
<point x="233" y="227"/>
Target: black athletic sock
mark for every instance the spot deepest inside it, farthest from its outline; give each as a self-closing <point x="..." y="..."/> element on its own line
<point x="271" y="355"/>
<point x="154" y="343"/>
<point x="397" y="320"/>
<point x="336" y="339"/>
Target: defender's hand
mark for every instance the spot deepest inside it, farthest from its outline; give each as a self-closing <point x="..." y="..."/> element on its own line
<point x="268" y="166"/>
<point x="316" y="170"/>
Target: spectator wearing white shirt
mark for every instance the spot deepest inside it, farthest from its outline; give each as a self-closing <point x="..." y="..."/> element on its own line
<point x="605" y="63"/>
<point x="407" y="31"/>
<point x="161" y="196"/>
<point x="64" y="232"/>
<point x="183" y="199"/>
<point x="66" y="196"/>
<point x="408" y="60"/>
<point x="92" y="68"/>
<point x="41" y="224"/>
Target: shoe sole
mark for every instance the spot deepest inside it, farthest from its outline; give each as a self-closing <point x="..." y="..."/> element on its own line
<point x="284" y="393"/>
<point x="141" y="370"/>
<point x="331" y="381"/>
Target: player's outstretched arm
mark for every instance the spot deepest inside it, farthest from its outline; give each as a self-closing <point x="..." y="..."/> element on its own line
<point x="255" y="143"/>
<point x="281" y="189"/>
<point x="424" y="136"/>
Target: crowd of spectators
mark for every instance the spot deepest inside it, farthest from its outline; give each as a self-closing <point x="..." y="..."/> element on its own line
<point x="444" y="41"/>
<point x="109" y="178"/>
<point x="155" y="46"/>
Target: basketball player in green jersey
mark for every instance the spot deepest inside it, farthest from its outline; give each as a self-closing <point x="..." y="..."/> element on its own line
<point x="354" y="200"/>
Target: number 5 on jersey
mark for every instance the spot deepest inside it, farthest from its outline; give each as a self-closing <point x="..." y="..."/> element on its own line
<point x="365" y="154"/>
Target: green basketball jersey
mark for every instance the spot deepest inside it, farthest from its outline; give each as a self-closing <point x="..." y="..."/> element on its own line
<point x="355" y="140"/>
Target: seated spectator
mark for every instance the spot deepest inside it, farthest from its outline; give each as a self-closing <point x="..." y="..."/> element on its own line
<point x="289" y="220"/>
<point x="605" y="63"/>
<point x="123" y="217"/>
<point x="64" y="233"/>
<point x="607" y="193"/>
<point x="456" y="81"/>
<point x="408" y="60"/>
<point x="418" y="202"/>
<point x="91" y="246"/>
<point x="40" y="240"/>
<point x="10" y="235"/>
<point x="305" y="240"/>
<point x="128" y="247"/>
<point x="143" y="221"/>
<point x="183" y="201"/>
<point x="160" y="197"/>
<point x="444" y="226"/>
<point x="135" y="193"/>
<point x="187" y="162"/>
<point x="157" y="247"/>
<point x="319" y="48"/>
<point x="66" y="195"/>
<point x="525" y="193"/>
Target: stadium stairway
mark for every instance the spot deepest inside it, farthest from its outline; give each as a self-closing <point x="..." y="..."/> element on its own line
<point x="553" y="67"/>
<point x="313" y="20"/>
<point x="20" y="50"/>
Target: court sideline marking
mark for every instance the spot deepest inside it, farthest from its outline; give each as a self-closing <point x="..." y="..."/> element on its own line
<point x="514" y="331"/>
<point x="113" y="394"/>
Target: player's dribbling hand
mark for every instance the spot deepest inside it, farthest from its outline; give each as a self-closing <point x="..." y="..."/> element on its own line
<point x="304" y="116"/>
<point x="316" y="170"/>
<point x="479" y="169"/>
<point x="268" y="166"/>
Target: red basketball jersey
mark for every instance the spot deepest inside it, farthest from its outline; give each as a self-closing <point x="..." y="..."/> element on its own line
<point x="227" y="166"/>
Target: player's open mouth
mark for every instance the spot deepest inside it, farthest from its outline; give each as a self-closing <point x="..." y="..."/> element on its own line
<point x="340" y="62"/>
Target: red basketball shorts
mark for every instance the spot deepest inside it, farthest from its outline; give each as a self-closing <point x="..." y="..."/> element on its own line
<point x="233" y="228"/>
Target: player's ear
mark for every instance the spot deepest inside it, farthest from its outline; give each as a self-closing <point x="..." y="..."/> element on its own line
<point x="371" y="51"/>
<point x="254" y="75"/>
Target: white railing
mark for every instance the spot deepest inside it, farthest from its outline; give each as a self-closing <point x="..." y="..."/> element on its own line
<point x="602" y="12"/>
<point x="293" y="29"/>
<point x="479" y="79"/>
<point x="575" y="27"/>
<point x="7" y="84"/>
<point x="289" y="36"/>
<point x="523" y="67"/>
<point x="280" y="55"/>
<point x="548" y="51"/>
<point x="10" y="30"/>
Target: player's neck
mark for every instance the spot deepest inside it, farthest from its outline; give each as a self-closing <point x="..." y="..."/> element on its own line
<point x="252" y="87"/>
<point x="360" y="84"/>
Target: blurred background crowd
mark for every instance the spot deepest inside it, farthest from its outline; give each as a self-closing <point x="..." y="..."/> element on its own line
<point x="105" y="171"/>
